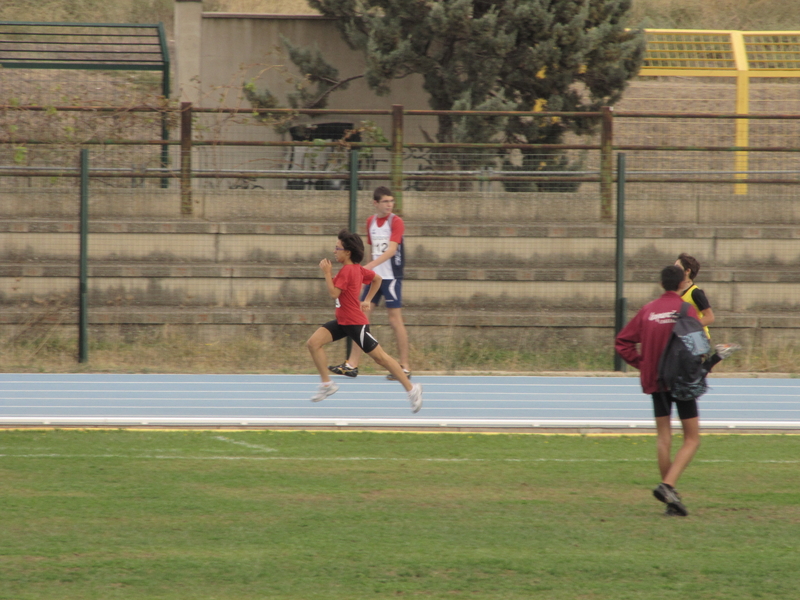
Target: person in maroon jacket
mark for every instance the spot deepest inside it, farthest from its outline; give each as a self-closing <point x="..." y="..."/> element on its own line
<point x="651" y="329"/>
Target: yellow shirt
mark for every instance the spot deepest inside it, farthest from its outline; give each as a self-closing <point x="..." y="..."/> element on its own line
<point x="687" y="297"/>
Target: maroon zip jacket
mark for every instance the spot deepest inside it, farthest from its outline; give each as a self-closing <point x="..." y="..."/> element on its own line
<point x="651" y="328"/>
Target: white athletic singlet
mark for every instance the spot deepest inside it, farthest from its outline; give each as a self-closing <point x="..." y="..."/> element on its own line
<point x="380" y="237"/>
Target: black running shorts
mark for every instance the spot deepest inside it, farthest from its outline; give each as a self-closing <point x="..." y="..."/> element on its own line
<point x="662" y="406"/>
<point x="358" y="333"/>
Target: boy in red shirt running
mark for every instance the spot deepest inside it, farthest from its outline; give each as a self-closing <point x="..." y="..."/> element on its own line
<point x="351" y="318"/>
<point x="385" y="231"/>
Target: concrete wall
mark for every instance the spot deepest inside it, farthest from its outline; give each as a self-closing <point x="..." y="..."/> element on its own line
<point x="217" y="53"/>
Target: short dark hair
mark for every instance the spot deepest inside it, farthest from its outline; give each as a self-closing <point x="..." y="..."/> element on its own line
<point x="380" y="192"/>
<point x="671" y="278"/>
<point x="352" y="242"/>
<point x="690" y="262"/>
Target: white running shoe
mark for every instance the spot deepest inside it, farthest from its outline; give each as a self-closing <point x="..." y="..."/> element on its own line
<point x="324" y="391"/>
<point x="415" y="397"/>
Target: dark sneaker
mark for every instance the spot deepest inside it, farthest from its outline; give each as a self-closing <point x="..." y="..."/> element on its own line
<point x="673" y="512"/>
<point x="661" y="492"/>
<point x="344" y="369"/>
<point x="391" y="377"/>
<point x="669" y="496"/>
<point x="725" y="350"/>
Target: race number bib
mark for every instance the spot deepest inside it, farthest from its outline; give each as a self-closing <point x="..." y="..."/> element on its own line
<point x="379" y="246"/>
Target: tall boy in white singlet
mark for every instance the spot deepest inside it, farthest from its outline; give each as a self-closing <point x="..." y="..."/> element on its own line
<point x="385" y="234"/>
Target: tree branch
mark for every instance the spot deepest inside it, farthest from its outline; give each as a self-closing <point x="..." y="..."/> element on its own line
<point x="338" y="84"/>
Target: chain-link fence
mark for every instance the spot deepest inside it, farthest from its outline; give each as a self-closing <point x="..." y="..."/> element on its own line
<point x="734" y="210"/>
<point x="510" y="247"/>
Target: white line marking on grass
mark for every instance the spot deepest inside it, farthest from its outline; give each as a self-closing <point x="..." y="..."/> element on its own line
<point x="388" y="459"/>
<point x="222" y="438"/>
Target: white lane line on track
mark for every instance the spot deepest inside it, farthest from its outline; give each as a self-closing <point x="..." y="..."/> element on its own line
<point x="519" y="383"/>
<point x="350" y="391"/>
<point x="304" y="404"/>
<point x="628" y="399"/>
<point x="373" y="408"/>
<point x="359" y="392"/>
<point x="428" y="384"/>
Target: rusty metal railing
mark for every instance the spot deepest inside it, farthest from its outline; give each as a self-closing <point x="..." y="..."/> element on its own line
<point x="605" y="175"/>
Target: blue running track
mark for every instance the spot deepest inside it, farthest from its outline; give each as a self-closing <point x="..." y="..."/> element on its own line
<point x="371" y="401"/>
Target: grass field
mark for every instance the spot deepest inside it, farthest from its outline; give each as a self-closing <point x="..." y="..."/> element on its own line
<point x="244" y="515"/>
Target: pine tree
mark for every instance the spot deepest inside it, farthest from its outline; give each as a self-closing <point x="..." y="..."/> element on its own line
<point x="555" y="55"/>
<point x="498" y="55"/>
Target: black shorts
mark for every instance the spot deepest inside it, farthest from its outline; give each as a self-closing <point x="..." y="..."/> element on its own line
<point x="358" y="333"/>
<point x="662" y="406"/>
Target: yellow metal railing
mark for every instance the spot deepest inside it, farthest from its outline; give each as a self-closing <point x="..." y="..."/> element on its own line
<point x="739" y="54"/>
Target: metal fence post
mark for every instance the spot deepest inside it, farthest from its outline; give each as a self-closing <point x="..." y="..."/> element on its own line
<point x="353" y="224"/>
<point x="621" y="303"/>
<point x="186" y="158"/>
<point x="165" y="92"/>
<point x="397" y="157"/>
<point x="607" y="164"/>
<point x="83" y="316"/>
<point x="353" y="189"/>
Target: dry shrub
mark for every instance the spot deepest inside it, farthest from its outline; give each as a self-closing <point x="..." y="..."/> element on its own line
<point x="661" y="14"/>
<point x="716" y="14"/>
<point x="88" y="11"/>
<point x="161" y="349"/>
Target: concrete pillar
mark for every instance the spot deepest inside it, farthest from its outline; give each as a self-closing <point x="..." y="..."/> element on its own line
<point x="188" y="46"/>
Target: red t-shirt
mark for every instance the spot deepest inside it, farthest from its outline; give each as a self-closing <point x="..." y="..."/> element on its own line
<point x="650" y="328"/>
<point x="348" y="306"/>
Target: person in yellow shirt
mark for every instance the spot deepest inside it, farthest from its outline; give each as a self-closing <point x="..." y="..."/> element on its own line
<point x="689" y="292"/>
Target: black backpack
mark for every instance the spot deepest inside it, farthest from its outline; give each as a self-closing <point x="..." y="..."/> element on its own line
<point x="680" y="369"/>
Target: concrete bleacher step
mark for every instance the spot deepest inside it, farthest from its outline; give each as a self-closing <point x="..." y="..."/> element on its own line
<point x="243" y="285"/>
<point x="574" y="272"/>
<point x="426" y="243"/>
<point x="710" y="205"/>
<point x="244" y="263"/>
<point x="490" y="265"/>
<point x="451" y="227"/>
